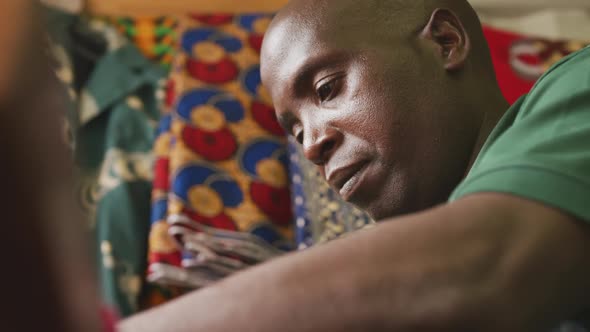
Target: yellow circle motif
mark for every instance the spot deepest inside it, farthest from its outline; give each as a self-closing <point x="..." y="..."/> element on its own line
<point x="160" y="240"/>
<point x="208" y="52"/>
<point x="261" y="25"/>
<point x="205" y="201"/>
<point x="207" y="118"/>
<point x="272" y="172"/>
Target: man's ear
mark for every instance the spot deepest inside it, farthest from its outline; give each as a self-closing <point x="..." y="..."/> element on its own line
<point x="447" y="32"/>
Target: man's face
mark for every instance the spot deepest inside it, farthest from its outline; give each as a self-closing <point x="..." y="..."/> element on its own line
<point x="371" y="114"/>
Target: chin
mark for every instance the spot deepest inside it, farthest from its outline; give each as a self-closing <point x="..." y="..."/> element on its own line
<point x="378" y="212"/>
<point x="383" y="215"/>
<point x="389" y="197"/>
<point x="390" y="207"/>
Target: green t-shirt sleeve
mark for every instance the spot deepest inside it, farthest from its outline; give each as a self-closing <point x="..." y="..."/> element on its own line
<point x="543" y="150"/>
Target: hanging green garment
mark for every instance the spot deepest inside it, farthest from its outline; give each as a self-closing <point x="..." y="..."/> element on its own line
<point x="113" y="117"/>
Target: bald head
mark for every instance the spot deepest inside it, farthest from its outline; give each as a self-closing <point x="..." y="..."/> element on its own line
<point x="401" y="15"/>
<point x="393" y="90"/>
<point x="368" y="22"/>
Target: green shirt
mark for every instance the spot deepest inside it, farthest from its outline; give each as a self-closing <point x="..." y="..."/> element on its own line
<point x="540" y="149"/>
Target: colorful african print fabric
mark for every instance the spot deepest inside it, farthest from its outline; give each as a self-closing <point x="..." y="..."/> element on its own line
<point x="221" y="157"/>
<point x="156" y="37"/>
<point x="114" y="112"/>
<point x="519" y="60"/>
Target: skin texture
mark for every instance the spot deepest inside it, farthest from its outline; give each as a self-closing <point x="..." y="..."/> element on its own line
<point x="453" y="268"/>
<point x="411" y="90"/>
<point x="405" y="101"/>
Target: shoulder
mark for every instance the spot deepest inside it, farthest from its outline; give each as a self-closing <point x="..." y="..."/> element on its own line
<point x="541" y="152"/>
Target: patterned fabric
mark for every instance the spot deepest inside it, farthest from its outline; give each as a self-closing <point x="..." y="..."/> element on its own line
<point x="221" y="157"/>
<point x="519" y="61"/>
<point x="321" y="215"/>
<point x="114" y="112"/>
<point x="154" y="36"/>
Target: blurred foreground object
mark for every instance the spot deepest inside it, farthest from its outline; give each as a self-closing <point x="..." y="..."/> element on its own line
<point x="49" y="285"/>
<point x="72" y="6"/>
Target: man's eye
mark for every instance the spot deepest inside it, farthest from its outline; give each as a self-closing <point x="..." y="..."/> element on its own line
<point x="299" y="137"/>
<point x="326" y="91"/>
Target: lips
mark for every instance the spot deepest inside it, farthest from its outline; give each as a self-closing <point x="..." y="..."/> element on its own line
<point x="346" y="179"/>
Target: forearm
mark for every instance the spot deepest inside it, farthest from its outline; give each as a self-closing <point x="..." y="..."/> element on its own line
<point x="382" y="278"/>
<point x="429" y="272"/>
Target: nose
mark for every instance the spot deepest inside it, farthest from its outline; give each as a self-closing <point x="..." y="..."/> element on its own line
<point x="319" y="150"/>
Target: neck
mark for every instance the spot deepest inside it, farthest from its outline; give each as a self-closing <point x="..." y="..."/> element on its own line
<point x="493" y="109"/>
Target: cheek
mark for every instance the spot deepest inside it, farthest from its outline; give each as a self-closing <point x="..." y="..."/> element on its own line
<point x="375" y="114"/>
<point x="393" y="99"/>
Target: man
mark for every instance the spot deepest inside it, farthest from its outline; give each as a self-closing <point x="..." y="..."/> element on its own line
<point x="394" y="100"/>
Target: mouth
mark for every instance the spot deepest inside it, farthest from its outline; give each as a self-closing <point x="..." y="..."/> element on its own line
<point x="346" y="179"/>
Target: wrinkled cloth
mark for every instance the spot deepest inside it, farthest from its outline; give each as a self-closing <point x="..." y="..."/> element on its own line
<point x="114" y="110"/>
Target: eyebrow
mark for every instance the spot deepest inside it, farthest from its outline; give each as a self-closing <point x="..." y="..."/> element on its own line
<point x="310" y="67"/>
<point x="298" y="87"/>
<point x="302" y="77"/>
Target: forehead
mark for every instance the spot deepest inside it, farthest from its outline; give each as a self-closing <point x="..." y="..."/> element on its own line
<point x="308" y="28"/>
<point x="288" y="41"/>
<point x="294" y="44"/>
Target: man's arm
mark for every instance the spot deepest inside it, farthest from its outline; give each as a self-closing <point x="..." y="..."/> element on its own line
<point x="488" y="262"/>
